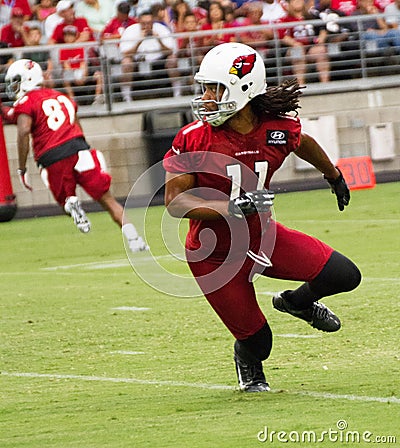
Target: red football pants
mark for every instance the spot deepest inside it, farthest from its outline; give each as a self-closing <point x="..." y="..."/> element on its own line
<point x="296" y="256"/>
<point x="62" y="178"/>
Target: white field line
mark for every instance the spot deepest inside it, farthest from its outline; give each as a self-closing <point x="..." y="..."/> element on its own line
<point x="123" y="262"/>
<point x="325" y="395"/>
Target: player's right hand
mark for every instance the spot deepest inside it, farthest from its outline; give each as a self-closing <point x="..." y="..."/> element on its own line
<point x="251" y="202"/>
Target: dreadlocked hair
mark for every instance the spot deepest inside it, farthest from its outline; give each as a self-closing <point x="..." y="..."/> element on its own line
<point x="279" y="100"/>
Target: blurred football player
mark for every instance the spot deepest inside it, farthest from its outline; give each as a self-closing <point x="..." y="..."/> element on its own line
<point x="60" y="150"/>
<point x="218" y="174"/>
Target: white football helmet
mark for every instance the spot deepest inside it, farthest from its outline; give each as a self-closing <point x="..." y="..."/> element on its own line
<point x="21" y="77"/>
<point x="240" y="69"/>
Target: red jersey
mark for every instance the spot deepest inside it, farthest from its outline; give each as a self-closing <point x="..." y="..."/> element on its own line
<point x="226" y="163"/>
<point x="53" y="118"/>
<point x="75" y="56"/>
<point x="80" y="23"/>
<point x="117" y="27"/>
<point x="11" y="37"/>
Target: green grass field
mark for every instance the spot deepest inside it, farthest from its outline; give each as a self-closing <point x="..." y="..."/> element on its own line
<point x="79" y="371"/>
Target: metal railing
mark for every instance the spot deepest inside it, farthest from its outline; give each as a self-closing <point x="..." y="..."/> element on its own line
<point x="353" y="59"/>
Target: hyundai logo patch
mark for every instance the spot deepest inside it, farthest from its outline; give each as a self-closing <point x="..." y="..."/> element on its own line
<point x="277" y="137"/>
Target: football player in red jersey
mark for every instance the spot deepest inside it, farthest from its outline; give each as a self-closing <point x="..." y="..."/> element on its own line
<point x="218" y="173"/>
<point x="60" y="150"/>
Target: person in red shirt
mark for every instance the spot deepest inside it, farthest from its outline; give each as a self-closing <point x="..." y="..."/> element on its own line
<point x="65" y="9"/>
<point x="218" y="174"/>
<point x="216" y="20"/>
<point x="116" y="26"/>
<point x="15" y="34"/>
<point x="60" y="150"/>
<point x="76" y="67"/>
<point x="306" y="44"/>
<point x="73" y="61"/>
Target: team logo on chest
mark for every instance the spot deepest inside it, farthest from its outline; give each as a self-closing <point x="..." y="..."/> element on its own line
<point x="277" y="137"/>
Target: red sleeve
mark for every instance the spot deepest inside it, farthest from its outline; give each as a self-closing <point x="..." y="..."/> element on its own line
<point x="188" y="149"/>
<point x="58" y="35"/>
<point x="110" y="28"/>
<point x="82" y="25"/>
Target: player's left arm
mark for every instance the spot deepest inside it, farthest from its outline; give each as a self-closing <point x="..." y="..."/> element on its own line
<point x="310" y="151"/>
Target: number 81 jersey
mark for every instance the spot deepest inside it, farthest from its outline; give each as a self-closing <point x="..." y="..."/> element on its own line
<point x="53" y="118"/>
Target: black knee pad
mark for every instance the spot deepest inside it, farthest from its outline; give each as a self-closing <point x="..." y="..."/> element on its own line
<point x="256" y="347"/>
<point x="338" y="275"/>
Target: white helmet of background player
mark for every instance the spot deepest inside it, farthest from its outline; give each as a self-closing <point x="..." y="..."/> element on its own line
<point x="21" y="77"/>
<point x="240" y="69"/>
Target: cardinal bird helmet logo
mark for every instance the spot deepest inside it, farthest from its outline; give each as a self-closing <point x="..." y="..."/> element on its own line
<point x="243" y="65"/>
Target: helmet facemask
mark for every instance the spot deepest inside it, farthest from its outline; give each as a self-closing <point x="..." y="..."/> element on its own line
<point x="225" y="108"/>
<point x="13" y="87"/>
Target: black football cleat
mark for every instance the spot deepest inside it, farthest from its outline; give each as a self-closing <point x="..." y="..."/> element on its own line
<point x="251" y="378"/>
<point x="318" y="315"/>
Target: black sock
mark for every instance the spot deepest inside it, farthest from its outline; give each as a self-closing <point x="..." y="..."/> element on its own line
<point x="338" y="275"/>
<point x="255" y="348"/>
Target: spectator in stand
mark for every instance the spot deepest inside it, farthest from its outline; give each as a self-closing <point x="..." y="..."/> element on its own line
<point x="53" y="20"/>
<point x="392" y="14"/>
<point x="7" y="6"/>
<point x="75" y="66"/>
<point x="304" y="44"/>
<point x="145" y="46"/>
<point x="216" y="20"/>
<point x="257" y="39"/>
<point x="180" y="9"/>
<point x="112" y="31"/>
<point x="118" y="24"/>
<point x="200" y="12"/>
<point x="182" y="62"/>
<point x="43" y="9"/>
<point x="97" y="13"/>
<point x="160" y="15"/>
<point x="272" y="11"/>
<point x="73" y="62"/>
<point x="376" y="34"/>
<point x="335" y="32"/>
<point x="15" y="34"/>
<point x="42" y="57"/>
<point x="65" y="9"/>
